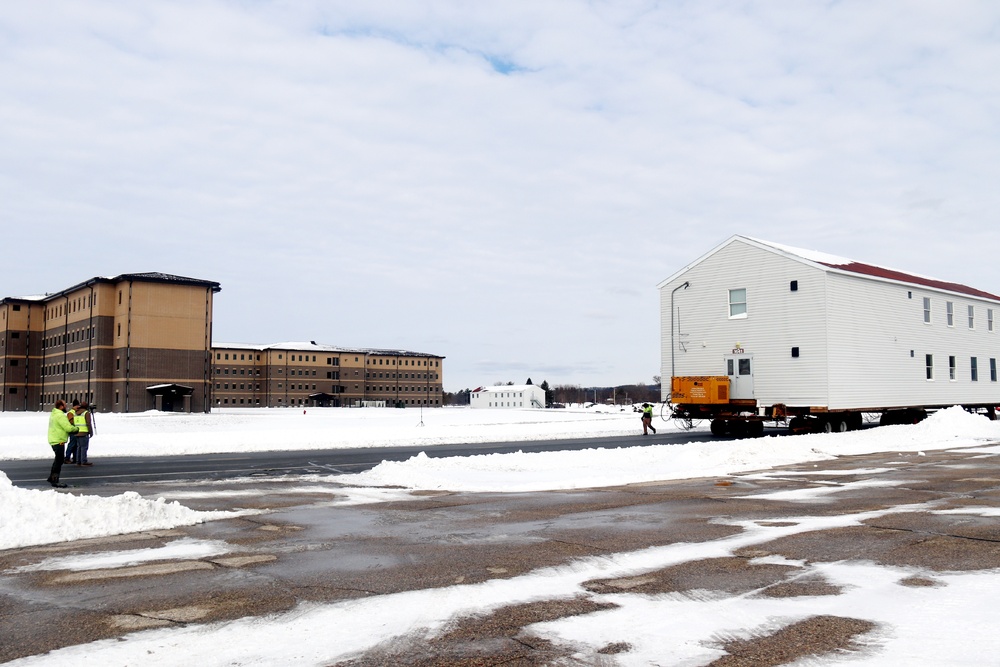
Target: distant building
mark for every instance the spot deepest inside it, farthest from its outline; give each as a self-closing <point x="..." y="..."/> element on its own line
<point x="143" y="341"/>
<point x="134" y="342"/>
<point x="310" y="374"/>
<point x="508" y="396"/>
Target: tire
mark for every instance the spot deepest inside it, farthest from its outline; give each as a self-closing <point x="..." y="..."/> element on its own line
<point x="840" y="426"/>
<point x="827" y="426"/>
<point x="719" y="428"/>
<point x="755" y="429"/>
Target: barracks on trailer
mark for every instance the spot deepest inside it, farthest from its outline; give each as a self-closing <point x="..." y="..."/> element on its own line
<point x="143" y="341"/>
<point x="797" y="327"/>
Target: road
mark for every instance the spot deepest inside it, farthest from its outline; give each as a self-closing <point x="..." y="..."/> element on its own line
<point x="115" y="470"/>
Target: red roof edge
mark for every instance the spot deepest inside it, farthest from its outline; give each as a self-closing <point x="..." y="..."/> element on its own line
<point x="879" y="272"/>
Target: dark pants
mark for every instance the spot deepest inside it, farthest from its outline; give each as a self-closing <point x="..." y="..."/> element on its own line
<point x="82" y="446"/>
<point x="59" y="451"/>
<point x="71" y="450"/>
<point x="647" y="423"/>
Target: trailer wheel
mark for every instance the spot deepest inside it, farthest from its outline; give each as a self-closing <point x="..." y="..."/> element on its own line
<point x="826" y="426"/>
<point x="755" y="429"/>
<point x="840" y="426"/>
<point x="719" y="427"/>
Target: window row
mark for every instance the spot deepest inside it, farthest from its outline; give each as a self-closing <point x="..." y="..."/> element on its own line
<point x="69" y="307"/>
<point x="973" y="368"/>
<point x="949" y="314"/>
<point x="243" y="356"/>
<point x="69" y="368"/>
<point x="76" y="335"/>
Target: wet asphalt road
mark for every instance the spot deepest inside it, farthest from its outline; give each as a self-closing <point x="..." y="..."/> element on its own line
<point x="305" y="550"/>
<point x="121" y="470"/>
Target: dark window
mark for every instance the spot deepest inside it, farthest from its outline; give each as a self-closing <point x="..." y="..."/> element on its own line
<point x="794" y="285"/>
<point x="795" y="352"/>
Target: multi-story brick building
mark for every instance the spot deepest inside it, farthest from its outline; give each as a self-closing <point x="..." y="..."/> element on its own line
<point x="143" y="341"/>
<point x="305" y="374"/>
<point x="130" y="343"/>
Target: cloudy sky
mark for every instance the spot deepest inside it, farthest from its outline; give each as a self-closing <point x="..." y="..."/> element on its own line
<point x="503" y="184"/>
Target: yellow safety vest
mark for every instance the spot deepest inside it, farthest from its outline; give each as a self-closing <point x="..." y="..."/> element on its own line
<point x="80" y="421"/>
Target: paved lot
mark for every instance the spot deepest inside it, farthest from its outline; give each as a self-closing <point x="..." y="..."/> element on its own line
<point x="307" y="550"/>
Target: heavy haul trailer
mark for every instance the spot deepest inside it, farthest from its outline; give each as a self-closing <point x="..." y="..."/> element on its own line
<point x="756" y="332"/>
<point x="707" y="397"/>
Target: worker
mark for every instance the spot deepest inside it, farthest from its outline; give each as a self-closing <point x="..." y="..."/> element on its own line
<point x="647" y="419"/>
<point x="59" y="431"/>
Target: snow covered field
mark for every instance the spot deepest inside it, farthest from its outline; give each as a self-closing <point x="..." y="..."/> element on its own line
<point x="355" y="625"/>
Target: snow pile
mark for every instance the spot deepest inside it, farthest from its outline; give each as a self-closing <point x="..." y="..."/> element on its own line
<point x="519" y="472"/>
<point x="33" y="517"/>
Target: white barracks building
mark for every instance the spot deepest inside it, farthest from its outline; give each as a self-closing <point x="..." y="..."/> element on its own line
<point x="508" y="396"/>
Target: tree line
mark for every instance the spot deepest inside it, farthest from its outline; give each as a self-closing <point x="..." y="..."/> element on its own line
<point x="562" y="394"/>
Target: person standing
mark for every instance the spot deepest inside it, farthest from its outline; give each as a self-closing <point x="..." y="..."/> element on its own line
<point x="84" y="421"/>
<point x="59" y="430"/>
<point x="647" y="419"/>
<point x="71" y="447"/>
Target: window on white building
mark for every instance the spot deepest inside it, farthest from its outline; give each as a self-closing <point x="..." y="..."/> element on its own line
<point x="738" y="302"/>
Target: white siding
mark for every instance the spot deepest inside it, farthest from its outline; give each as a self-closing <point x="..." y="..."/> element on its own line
<point x="508" y="397"/>
<point x="879" y="324"/>
<point x="777" y="320"/>
<point x="861" y="341"/>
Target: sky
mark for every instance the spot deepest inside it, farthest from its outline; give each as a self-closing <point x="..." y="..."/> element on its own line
<point x="500" y="184"/>
<point x="684" y="626"/>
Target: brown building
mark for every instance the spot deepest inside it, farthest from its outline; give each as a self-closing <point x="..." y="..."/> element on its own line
<point x="130" y="343"/>
<point x="309" y="374"/>
<point x="143" y="341"/>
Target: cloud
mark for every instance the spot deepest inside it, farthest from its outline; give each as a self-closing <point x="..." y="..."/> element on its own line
<point x="408" y="173"/>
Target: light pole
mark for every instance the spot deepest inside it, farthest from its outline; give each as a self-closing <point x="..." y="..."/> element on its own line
<point x="673" y="314"/>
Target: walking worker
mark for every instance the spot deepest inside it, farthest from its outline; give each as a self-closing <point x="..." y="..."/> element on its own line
<point x="84" y="421"/>
<point x="59" y="430"/>
<point x="647" y="419"/>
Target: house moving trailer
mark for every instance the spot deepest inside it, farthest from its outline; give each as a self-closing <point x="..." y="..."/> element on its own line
<point x="754" y="331"/>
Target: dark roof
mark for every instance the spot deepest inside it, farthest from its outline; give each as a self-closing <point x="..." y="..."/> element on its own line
<point x="156" y="277"/>
<point x="152" y="277"/>
<point x="892" y="274"/>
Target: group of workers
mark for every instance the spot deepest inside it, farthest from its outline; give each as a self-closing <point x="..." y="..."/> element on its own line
<point x="75" y="426"/>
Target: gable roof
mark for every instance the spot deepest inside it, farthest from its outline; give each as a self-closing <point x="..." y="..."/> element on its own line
<point x="505" y="387"/>
<point x="827" y="262"/>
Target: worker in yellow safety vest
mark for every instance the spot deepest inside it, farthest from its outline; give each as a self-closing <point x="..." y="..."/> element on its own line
<point x="84" y="422"/>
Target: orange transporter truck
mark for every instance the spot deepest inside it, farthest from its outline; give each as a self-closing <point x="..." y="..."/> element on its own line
<point x="755" y="332"/>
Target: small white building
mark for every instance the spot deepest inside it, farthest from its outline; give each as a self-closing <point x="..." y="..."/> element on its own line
<point x="802" y="328"/>
<point x="513" y="396"/>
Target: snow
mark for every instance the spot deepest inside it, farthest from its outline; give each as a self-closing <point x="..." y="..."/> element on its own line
<point x="696" y="622"/>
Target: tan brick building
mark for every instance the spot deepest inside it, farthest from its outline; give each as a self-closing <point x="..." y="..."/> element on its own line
<point x="310" y="374"/>
<point x="143" y="341"/>
<point x="129" y="343"/>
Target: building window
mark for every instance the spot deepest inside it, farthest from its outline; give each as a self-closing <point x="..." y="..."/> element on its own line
<point x="951" y="367"/>
<point x="950" y="313"/>
<point x="989" y="319"/>
<point x="737" y="303"/>
<point x="927" y="310"/>
<point x="993" y="370"/>
<point x="974" y="368"/>
<point x="972" y="317"/>
<point x="929" y="364"/>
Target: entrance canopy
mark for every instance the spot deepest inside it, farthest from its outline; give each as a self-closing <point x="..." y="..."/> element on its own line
<point x="171" y="397"/>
